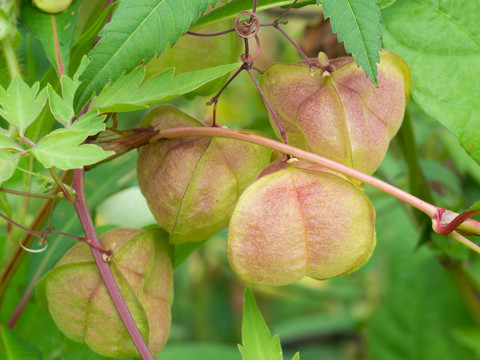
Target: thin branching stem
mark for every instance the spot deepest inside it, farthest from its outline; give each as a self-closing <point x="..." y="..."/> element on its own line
<point x="309" y="62"/>
<point x="15" y="259"/>
<point x="283" y="133"/>
<point x="286" y="11"/>
<point x="211" y="34"/>
<point x="29" y="194"/>
<point x="463" y="240"/>
<point x="66" y="193"/>
<point x="30" y="231"/>
<point x="86" y="221"/>
<point x="213" y="101"/>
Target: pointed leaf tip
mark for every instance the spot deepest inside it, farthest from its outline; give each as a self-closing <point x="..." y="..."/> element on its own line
<point x="357" y="24"/>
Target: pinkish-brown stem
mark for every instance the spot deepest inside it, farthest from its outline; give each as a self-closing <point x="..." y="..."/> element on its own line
<point x="283" y="133"/>
<point x="468" y="225"/>
<point x="213" y="101"/>
<point x="86" y="221"/>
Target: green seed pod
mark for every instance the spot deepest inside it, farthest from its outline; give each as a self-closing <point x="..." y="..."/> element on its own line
<point x="76" y="297"/>
<point x="192" y="184"/>
<point x="299" y="221"/>
<point x="335" y="111"/>
<point x="52" y="6"/>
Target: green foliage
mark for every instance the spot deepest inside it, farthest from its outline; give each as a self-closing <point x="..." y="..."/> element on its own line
<point x="54" y="32"/>
<point x="7" y="143"/>
<point x="357" y="24"/>
<point x="233" y="8"/>
<point x="129" y="92"/>
<point x="63" y="149"/>
<point x="21" y="104"/>
<point x="139" y="30"/>
<point x="410" y="327"/>
<point x="199" y="351"/>
<point x="257" y="342"/>
<point x="442" y="48"/>
<point x="403" y="304"/>
<point x="8" y="164"/>
<point x="16" y="348"/>
<point x="62" y="106"/>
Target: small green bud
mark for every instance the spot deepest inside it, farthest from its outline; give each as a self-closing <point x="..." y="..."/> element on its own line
<point x="52" y="6"/>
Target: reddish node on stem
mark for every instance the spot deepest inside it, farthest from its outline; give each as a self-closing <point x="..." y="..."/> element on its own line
<point x="450" y="226"/>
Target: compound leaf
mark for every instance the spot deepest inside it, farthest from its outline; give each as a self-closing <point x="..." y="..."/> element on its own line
<point x="62" y="148"/>
<point x="357" y="24"/>
<point x="442" y="47"/>
<point x="21" y="104"/>
<point x="258" y="344"/>
<point x="139" y="30"/>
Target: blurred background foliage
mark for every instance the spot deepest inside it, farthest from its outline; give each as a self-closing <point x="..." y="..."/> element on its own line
<point x="408" y="302"/>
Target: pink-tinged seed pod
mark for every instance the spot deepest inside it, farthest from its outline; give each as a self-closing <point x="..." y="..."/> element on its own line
<point x="300" y="221"/>
<point x="338" y="113"/>
<point x="74" y="293"/>
<point x="191" y="184"/>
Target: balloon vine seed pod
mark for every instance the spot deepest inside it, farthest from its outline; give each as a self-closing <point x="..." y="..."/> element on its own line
<point x="74" y="294"/>
<point x="299" y="220"/>
<point x="192" y="184"/>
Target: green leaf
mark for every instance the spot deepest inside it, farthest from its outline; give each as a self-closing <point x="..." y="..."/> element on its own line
<point x="87" y="40"/>
<point x="233" y="8"/>
<point x="8" y="164"/>
<point x="91" y="121"/>
<point x="408" y="327"/>
<point x="62" y="106"/>
<point x="296" y="356"/>
<point x="21" y="104"/>
<point x="13" y="347"/>
<point x="183" y="251"/>
<point x="7" y="143"/>
<point x="53" y="31"/>
<point x="442" y="47"/>
<point x="357" y="24"/>
<point x="475" y="206"/>
<point x="198" y="351"/>
<point x="139" y="30"/>
<point x="468" y="337"/>
<point x="128" y="93"/>
<point x="62" y="148"/>
<point x="60" y="110"/>
<point x="257" y="342"/>
<point x="385" y="3"/>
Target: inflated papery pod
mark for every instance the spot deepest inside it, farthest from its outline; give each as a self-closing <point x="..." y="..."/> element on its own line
<point x="299" y="220"/>
<point x="74" y="293"/>
<point x="191" y="184"/>
<point x="335" y="111"/>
